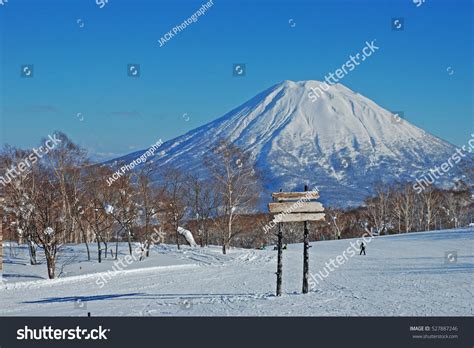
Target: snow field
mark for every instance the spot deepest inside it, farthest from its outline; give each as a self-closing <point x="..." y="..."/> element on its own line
<point x="401" y="275"/>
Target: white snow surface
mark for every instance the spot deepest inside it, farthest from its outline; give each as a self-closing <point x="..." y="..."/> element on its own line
<point x="342" y="143"/>
<point x="401" y="275"/>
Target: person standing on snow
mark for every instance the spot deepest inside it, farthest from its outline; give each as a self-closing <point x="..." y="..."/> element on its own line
<point x="362" y="248"/>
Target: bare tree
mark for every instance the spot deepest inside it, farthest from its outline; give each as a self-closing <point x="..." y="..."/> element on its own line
<point x="147" y="199"/>
<point x="65" y="161"/>
<point x="126" y="208"/>
<point x="455" y="203"/>
<point x="335" y="217"/>
<point x="79" y="206"/>
<point x="18" y="203"/>
<point x="237" y="183"/>
<point x="378" y="209"/>
<point x="202" y="198"/>
<point x="175" y="188"/>
<point x="403" y="205"/>
<point x="97" y="206"/>
<point x="430" y="199"/>
<point x="49" y="232"/>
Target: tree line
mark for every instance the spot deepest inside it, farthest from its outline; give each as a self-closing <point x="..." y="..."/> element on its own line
<point x="398" y="208"/>
<point x="65" y="198"/>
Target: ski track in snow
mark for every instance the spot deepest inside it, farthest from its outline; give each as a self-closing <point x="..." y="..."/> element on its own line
<point x="402" y="275"/>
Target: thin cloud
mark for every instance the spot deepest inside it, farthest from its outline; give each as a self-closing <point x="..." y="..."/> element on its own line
<point x="132" y="113"/>
<point x="41" y="108"/>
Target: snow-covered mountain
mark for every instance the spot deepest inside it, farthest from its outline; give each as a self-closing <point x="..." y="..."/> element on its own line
<point x="342" y="142"/>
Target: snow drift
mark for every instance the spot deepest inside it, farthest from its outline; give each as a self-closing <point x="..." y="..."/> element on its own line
<point x="187" y="235"/>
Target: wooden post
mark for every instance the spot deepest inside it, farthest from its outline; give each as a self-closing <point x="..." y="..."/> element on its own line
<point x="305" y="254"/>
<point x="295" y="207"/>
<point x="279" y="272"/>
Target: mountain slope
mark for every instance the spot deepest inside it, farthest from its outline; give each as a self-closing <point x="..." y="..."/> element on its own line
<point x="343" y="142"/>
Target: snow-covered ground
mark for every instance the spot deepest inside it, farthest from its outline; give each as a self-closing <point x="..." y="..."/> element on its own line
<point x="402" y="275"/>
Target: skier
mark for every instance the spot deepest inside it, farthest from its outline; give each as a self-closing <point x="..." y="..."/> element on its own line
<point x="362" y="248"/>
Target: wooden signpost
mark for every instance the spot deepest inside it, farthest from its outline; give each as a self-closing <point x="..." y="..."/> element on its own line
<point x="295" y="207"/>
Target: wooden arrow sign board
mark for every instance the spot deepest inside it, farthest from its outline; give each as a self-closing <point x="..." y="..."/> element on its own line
<point x="299" y="217"/>
<point x="292" y="196"/>
<point x="294" y="207"/>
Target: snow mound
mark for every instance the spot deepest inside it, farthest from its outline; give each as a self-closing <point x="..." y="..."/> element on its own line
<point x="188" y="236"/>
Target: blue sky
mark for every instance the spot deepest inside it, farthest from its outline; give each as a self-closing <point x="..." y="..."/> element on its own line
<point x="80" y="54"/>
